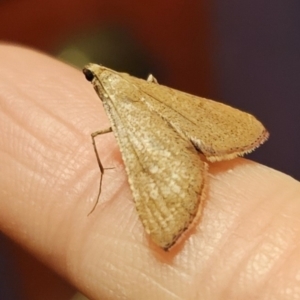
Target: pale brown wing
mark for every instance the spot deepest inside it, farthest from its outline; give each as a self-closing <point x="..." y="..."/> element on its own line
<point x="164" y="170"/>
<point x="217" y="130"/>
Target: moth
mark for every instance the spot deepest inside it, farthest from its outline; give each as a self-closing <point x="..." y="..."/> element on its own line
<point x="160" y="132"/>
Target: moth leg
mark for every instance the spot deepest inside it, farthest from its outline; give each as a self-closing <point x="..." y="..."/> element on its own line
<point x="93" y="135"/>
<point x="152" y="79"/>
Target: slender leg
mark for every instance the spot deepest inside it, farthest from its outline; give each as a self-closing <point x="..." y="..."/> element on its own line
<point x="93" y="135"/>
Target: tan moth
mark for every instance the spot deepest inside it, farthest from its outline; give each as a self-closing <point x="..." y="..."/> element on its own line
<point x="160" y="132"/>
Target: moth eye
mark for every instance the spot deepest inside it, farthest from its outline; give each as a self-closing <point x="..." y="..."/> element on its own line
<point x="88" y="74"/>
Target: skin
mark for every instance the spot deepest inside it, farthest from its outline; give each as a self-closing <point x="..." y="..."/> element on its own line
<point x="245" y="245"/>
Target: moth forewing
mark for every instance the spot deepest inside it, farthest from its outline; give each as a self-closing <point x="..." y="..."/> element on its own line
<point x="160" y="131"/>
<point x="219" y="131"/>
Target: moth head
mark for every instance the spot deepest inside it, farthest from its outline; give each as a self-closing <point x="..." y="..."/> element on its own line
<point x="89" y="75"/>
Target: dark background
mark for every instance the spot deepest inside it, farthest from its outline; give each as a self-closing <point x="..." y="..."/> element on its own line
<point x="244" y="53"/>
